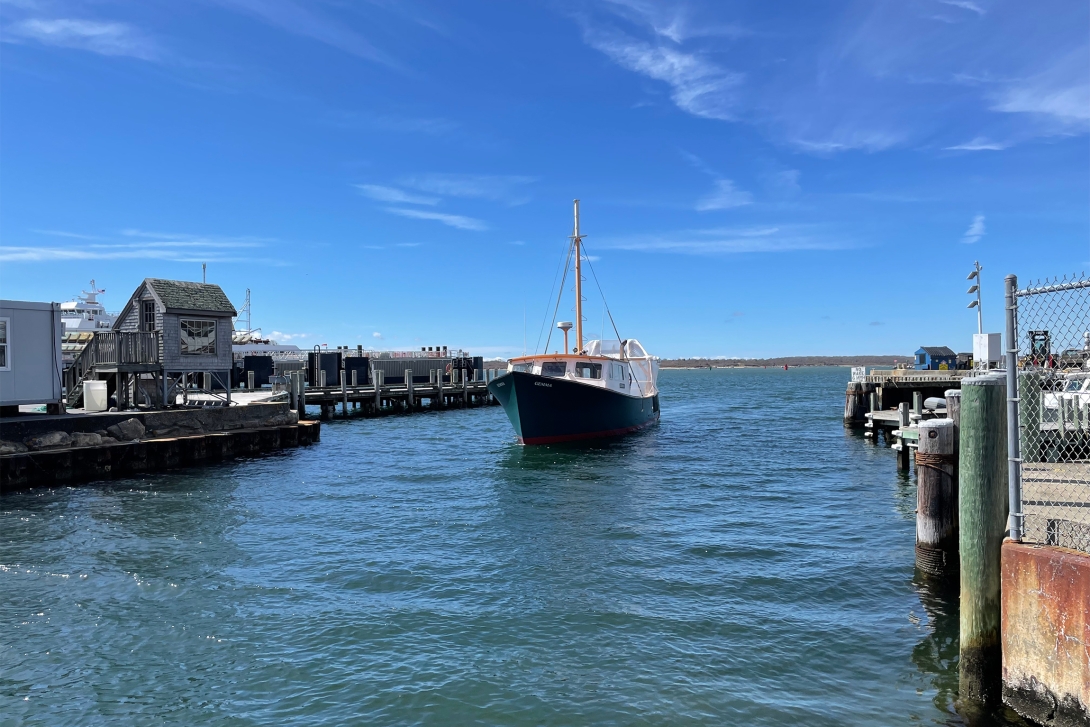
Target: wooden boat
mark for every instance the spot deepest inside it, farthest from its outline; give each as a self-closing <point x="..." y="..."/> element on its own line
<point x="600" y="389"/>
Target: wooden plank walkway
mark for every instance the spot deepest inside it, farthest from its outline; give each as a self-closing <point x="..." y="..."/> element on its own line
<point x="375" y="401"/>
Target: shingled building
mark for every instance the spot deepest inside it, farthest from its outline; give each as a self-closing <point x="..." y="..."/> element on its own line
<point x="194" y="324"/>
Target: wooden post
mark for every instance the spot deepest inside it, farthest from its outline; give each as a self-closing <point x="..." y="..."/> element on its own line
<point x="439" y="385"/>
<point x="917" y="404"/>
<point x="378" y="390"/>
<point x="854" y="405"/>
<point x="953" y="413"/>
<point x="302" y="397"/>
<point x="465" y="393"/>
<point x="982" y="515"/>
<point x="937" y="499"/>
<point x="409" y="389"/>
<point x="344" y="393"/>
<point x="321" y="378"/>
<point x="249" y="380"/>
<point x="904" y="453"/>
<point x="355" y="377"/>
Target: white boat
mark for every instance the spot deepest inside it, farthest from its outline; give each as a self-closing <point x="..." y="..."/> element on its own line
<point x="86" y="313"/>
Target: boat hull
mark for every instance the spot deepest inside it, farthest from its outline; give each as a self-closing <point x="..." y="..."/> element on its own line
<point x="546" y="410"/>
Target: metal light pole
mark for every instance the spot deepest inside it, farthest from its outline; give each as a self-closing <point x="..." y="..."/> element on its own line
<point x="975" y="288"/>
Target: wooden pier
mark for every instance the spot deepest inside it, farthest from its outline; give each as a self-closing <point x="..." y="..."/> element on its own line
<point x="379" y="399"/>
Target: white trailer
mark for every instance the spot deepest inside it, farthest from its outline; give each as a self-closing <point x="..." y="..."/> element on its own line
<point x="30" y="355"/>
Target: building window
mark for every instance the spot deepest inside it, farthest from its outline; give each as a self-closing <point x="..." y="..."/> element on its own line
<point x="147" y="315"/>
<point x="5" y="359"/>
<point x="198" y="338"/>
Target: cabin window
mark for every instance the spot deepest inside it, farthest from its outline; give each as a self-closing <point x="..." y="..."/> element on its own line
<point x="553" y="368"/>
<point x="198" y="338"/>
<point x="147" y="315"/>
<point x="586" y="370"/>
<point x="5" y="360"/>
<point x="524" y="367"/>
<point x="616" y="371"/>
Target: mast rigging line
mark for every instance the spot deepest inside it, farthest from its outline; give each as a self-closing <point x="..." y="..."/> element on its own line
<point x="541" y="330"/>
<point x="559" y="294"/>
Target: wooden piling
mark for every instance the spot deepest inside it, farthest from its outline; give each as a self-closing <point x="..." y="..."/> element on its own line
<point x="344" y="393"/>
<point x="302" y="397"/>
<point x="854" y="405"/>
<point x="982" y="516"/>
<point x="409" y="389"/>
<point x="904" y="454"/>
<point x="249" y="380"/>
<point x="936" y="499"/>
<point x="378" y="376"/>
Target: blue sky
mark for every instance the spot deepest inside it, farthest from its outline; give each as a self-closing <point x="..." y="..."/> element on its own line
<point x="756" y="178"/>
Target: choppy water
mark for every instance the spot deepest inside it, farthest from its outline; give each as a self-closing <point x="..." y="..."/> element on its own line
<point x="745" y="562"/>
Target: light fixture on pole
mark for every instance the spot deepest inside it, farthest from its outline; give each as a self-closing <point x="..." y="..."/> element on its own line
<point x="975" y="288"/>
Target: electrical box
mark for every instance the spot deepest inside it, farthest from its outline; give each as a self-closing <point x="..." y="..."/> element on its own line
<point x="987" y="348"/>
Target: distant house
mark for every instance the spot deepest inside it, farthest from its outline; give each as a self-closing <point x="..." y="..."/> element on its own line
<point x="194" y="323"/>
<point x="936" y="358"/>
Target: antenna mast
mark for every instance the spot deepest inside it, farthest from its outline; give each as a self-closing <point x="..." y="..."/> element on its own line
<point x="578" y="284"/>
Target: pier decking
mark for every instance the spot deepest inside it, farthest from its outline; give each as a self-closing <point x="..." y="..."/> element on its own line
<point x="376" y="400"/>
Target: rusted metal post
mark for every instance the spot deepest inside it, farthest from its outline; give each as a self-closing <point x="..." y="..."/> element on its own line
<point x="982" y="521"/>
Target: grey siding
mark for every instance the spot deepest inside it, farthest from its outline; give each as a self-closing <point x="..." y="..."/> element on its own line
<point x="34" y="353"/>
<point x="173" y="360"/>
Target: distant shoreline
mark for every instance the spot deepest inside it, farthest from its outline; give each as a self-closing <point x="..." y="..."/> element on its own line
<point x="790" y="361"/>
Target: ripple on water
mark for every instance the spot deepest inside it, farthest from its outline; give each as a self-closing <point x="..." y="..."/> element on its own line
<point x="719" y="568"/>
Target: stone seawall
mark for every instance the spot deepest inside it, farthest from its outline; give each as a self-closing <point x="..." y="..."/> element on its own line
<point x="67" y="466"/>
<point x="167" y="422"/>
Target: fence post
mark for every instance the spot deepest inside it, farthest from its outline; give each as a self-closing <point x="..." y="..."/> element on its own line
<point x="1014" y="453"/>
<point x="982" y="520"/>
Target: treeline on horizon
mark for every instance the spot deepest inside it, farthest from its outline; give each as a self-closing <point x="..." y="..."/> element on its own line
<point x="786" y="361"/>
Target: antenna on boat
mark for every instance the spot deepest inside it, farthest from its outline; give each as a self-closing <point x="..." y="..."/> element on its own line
<point x="578" y="286"/>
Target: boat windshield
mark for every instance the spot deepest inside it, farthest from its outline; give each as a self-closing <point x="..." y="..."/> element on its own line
<point x="526" y="367"/>
<point x="587" y="370"/>
<point x="553" y="368"/>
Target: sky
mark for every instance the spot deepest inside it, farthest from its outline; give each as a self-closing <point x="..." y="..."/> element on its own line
<point x="756" y="179"/>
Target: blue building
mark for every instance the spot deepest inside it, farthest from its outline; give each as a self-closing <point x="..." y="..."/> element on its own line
<point x="936" y="358"/>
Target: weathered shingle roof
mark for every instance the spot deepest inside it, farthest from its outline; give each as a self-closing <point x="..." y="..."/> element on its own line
<point x="181" y="294"/>
<point x="937" y="351"/>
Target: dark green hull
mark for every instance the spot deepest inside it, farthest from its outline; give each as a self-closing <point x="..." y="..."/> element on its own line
<point x="546" y="410"/>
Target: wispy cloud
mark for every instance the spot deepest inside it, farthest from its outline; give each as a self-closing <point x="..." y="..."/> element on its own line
<point x="979" y="143"/>
<point x="102" y="37"/>
<point x="727" y="241"/>
<point x="495" y="187"/>
<point x="281" y="337"/>
<point x="697" y="85"/>
<point x="305" y="21"/>
<point x="1060" y="92"/>
<point x="393" y="194"/>
<point x="673" y="21"/>
<point x="975" y="231"/>
<point x="964" y="5"/>
<point x="724" y="196"/>
<point x="62" y="233"/>
<point x="154" y="246"/>
<point x="459" y="221"/>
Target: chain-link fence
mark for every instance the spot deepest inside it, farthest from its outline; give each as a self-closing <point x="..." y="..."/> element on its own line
<point x="1049" y="325"/>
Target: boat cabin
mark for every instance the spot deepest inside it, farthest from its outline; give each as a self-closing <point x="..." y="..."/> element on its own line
<point x="622" y="366"/>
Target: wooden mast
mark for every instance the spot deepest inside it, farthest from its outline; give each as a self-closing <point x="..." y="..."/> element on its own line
<point x="578" y="285"/>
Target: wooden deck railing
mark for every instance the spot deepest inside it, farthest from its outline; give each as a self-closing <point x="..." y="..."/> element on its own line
<point x="113" y="348"/>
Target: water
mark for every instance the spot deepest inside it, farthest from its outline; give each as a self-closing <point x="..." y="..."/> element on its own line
<point x="747" y="561"/>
